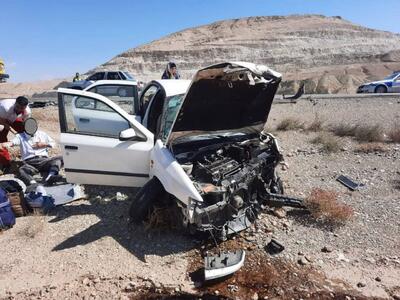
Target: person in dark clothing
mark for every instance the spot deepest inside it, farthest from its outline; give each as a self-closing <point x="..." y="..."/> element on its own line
<point x="171" y="72"/>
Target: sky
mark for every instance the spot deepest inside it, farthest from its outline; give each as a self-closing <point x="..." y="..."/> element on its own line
<point x="46" y="39"/>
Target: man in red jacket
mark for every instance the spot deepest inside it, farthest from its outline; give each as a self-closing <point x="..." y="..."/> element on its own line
<point x="13" y="113"/>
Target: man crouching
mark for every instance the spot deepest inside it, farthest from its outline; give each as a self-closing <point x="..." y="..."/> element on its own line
<point x="34" y="146"/>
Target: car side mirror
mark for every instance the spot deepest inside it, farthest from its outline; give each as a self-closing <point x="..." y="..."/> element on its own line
<point x="128" y="135"/>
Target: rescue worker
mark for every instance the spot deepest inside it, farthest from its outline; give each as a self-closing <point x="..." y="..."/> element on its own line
<point x="171" y="72"/>
<point x="77" y="77"/>
<point x="13" y="113"/>
<point x="35" y="156"/>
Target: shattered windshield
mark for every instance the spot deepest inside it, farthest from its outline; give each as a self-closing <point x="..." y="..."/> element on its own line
<point x="172" y="106"/>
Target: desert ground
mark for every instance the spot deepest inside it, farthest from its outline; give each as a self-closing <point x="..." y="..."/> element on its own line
<point x="88" y="249"/>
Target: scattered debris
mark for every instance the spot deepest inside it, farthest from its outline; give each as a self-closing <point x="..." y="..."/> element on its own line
<point x="348" y="182"/>
<point x="361" y="284"/>
<point x="223" y="264"/>
<point x="274" y="247"/>
<point x="65" y="193"/>
<point x="279" y="212"/>
<point x="326" y="249"/>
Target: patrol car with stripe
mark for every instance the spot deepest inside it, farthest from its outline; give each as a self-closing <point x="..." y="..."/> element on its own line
<point x="390" y="84"/>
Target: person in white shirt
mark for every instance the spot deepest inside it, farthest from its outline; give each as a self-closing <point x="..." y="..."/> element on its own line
<point x="13" y="113"/>
<point x="35" y="155"/>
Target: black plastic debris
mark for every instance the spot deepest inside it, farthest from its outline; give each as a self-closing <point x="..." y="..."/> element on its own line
<point x="349" y="183"/>
<point x="274" y="247"/>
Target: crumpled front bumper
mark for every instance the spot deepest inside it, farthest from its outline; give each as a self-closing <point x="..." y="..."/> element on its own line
<point x="363" y="89"/>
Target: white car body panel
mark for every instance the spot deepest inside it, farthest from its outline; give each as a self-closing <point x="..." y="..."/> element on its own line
<point x="105" y="160"/>
<point x="170" y="173"/>
<point x="118" y="163"/>
<point x="174" y="87"/>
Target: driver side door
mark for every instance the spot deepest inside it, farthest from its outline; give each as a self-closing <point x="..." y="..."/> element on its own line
<point x="396" y="85"/>
<point x="101" y="143"/>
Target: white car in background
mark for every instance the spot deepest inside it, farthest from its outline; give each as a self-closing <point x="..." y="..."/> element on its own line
<point x="197" y="145"/>
<point x="89" y="114"/>
<point x="103" y="75"/>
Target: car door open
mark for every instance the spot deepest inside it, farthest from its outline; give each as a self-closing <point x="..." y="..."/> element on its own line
<point x="101" y="143"/>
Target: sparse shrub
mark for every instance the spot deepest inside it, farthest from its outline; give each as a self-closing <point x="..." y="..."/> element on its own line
<point x="290" y="124"/>
<point x="316" y="125"/>
<point x="369" y="133"/>
<point x="34" y="226"/>
<point x="344" y="130"/>
<point x="394" y="133"/>
<point x="161" y="219"/>
<point x="371" y="148"/>
<point x="363" y="133"/>
<point x="323" y="205"/>
<point x="328" y="142"/>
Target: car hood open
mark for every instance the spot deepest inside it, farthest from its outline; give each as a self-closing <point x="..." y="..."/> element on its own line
<point x="226" y="96"/>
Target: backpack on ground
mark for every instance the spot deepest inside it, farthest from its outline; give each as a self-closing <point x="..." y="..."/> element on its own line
<point x="7" y="217"/>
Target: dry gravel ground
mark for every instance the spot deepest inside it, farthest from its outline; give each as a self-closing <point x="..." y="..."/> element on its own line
<point x="88" y="249"/>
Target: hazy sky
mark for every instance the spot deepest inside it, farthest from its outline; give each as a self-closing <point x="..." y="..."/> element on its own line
<point x="43" y="39"/>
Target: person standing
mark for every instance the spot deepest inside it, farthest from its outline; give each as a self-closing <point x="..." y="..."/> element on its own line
<point x="171" y="72"/>
<point x="13" y="113"/>
<point x="77" y="77"/>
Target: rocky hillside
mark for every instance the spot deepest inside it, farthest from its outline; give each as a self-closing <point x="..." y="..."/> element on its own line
<point x="331" y="54"/>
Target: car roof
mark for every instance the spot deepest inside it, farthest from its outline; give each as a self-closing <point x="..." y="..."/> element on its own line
<point x="174" y="86"/>
<point x="111" y="82"/>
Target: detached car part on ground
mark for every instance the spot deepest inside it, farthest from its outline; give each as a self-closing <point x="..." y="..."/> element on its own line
<point x="203" y="148"/>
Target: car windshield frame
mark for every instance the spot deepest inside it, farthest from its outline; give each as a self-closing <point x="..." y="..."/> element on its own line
<point x="169" y="114"/>
<point x="393" y="76"/>
<point x="128" y="76"/>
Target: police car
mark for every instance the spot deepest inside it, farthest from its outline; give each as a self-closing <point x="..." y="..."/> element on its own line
<point x="390" y="84"/>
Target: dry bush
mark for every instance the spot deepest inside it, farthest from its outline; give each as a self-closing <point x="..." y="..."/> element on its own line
<point x="161" y="218"/>
<point x="344" y="130"/>
<point x="363" y="133"/>
<point x="290" y="124"/>
<point x="323" y="205"/>
<point x="316" y="125"/>
<point x="371" y="148"/>
<point x="328" y="142"/>
<point x="34" y="226"/>
<point x="369" y="133"/>
<point x="394" y="133"/>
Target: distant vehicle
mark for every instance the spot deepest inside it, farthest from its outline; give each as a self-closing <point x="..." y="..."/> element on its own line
<point x="106" y="75"/>
<point x="390" y="84"/>
<point x="90" y="115"/>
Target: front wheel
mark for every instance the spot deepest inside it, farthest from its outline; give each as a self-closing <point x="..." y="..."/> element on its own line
<point x="381" y="89"/>
<point x="145" y="199"/>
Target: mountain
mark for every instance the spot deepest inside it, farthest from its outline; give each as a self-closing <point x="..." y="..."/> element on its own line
<point x="330" y="54"/>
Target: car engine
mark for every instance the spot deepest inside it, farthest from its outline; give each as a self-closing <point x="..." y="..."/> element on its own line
<point x="233" y="179"/>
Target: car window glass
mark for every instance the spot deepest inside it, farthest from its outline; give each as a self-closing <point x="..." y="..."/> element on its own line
<point x="171" y="108"/>
<point x="82" y="118"/>
<point x="127" y="75"/>
<point x="148" y="94"/>
<point x="82" y="102"/>
<point x="96" y="76"/>
<point x="113" y="76"/>
<point x="122" y="95"/>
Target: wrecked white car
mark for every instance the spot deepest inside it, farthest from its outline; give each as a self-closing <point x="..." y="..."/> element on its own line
<point x="198" y="144"/>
